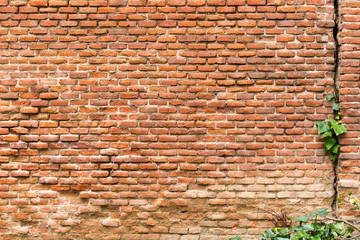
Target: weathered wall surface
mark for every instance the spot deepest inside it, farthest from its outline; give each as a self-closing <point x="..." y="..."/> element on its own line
<point x="168" y="119"/>
<point x="349" y="167"/>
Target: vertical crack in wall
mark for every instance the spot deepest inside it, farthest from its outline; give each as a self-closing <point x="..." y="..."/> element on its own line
<point x="336" y="92"/>
<point x="337" y="49"/>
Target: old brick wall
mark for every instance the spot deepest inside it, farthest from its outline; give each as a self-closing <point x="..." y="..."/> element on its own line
<point x="349" y="167"/>
<point x="168" y="119"/>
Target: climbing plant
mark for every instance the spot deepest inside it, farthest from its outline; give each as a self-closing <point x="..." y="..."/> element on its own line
<point x="314" y="227"/>
<point x="349" y="200"/>
<point x="317" y="226"/>
<point x="331" y="128"/>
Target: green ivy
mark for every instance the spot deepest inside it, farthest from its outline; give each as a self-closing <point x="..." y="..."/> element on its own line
<point x="317" y="230"/>
<point x="313" y="227"/>
<point x="330" y="129"/>
<point x="352" y="201"/>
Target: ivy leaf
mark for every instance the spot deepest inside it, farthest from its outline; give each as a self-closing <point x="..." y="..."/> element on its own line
<point x="322" y="212"/>
<point x="301" y="219"/>
<point x="339" y="129"/>
<point x="337" y="226"/>
<point x="267" y="234"/>
<point x="348" y="232"/>
<point x="329" y="97"/>
<point x="331" y="122"/>
<point x="235" y="238"/>
<point x="339" y="200"/>
<point x="327" y="134"/>
<point x="350" y="192"/>
<point x="282" y="230"/>
<point x="313" y="214"/>
<point x="308" y="227"/>
<point x="334" y="157"/>
<point x="335" y="149"/>
<point x="336" y="107"/>
<point x="322" y="127"/>
<point x="329" y="143"/>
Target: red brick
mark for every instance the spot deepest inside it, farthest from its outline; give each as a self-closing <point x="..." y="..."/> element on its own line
<point x="49" y="95"/>
<point x="256" y="2"/>
<point x="38" y="3"/>
<point x="29" y="110"/>
<point x="20" y="174"/>
<point x="176" y="2"/>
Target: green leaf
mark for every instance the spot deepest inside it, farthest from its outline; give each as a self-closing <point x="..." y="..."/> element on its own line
<point x="327" y="134"/>
<point x="281" y="230"/>
<point x="334" y="157"/>
<point x="267" y="234"/>
<point x="235" y="238"/>
<point x="350" y="192"/>
<point x="331" y="122"/>
<point x="336" y="107"/>
<point x="301" y="219"/>
<point x="329" y="143"/>
<point x="339" y="200"/>
<point x="339" y="129"/>
<point x="329" y="97"/>
<point x="335" y="149"/>
<point x="322" y="212"/>
<point x="322" y="127"/>
<point x="348" y="232"/>
<point x="313" y="214"/>
<point x="308" y="227"/>
<point x="338" y="225"/>
<point x="352" y="201"/>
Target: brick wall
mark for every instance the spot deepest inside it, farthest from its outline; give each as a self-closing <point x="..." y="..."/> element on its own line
<point x="349" y="167"/>
<point x="168" y="119"/>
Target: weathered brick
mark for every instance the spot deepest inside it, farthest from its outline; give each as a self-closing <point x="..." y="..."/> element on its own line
<point x="38" y="3"/>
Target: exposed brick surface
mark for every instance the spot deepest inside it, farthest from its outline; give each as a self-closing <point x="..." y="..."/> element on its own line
<point x="168" y="119"/>
<point x="349" y="168"/>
